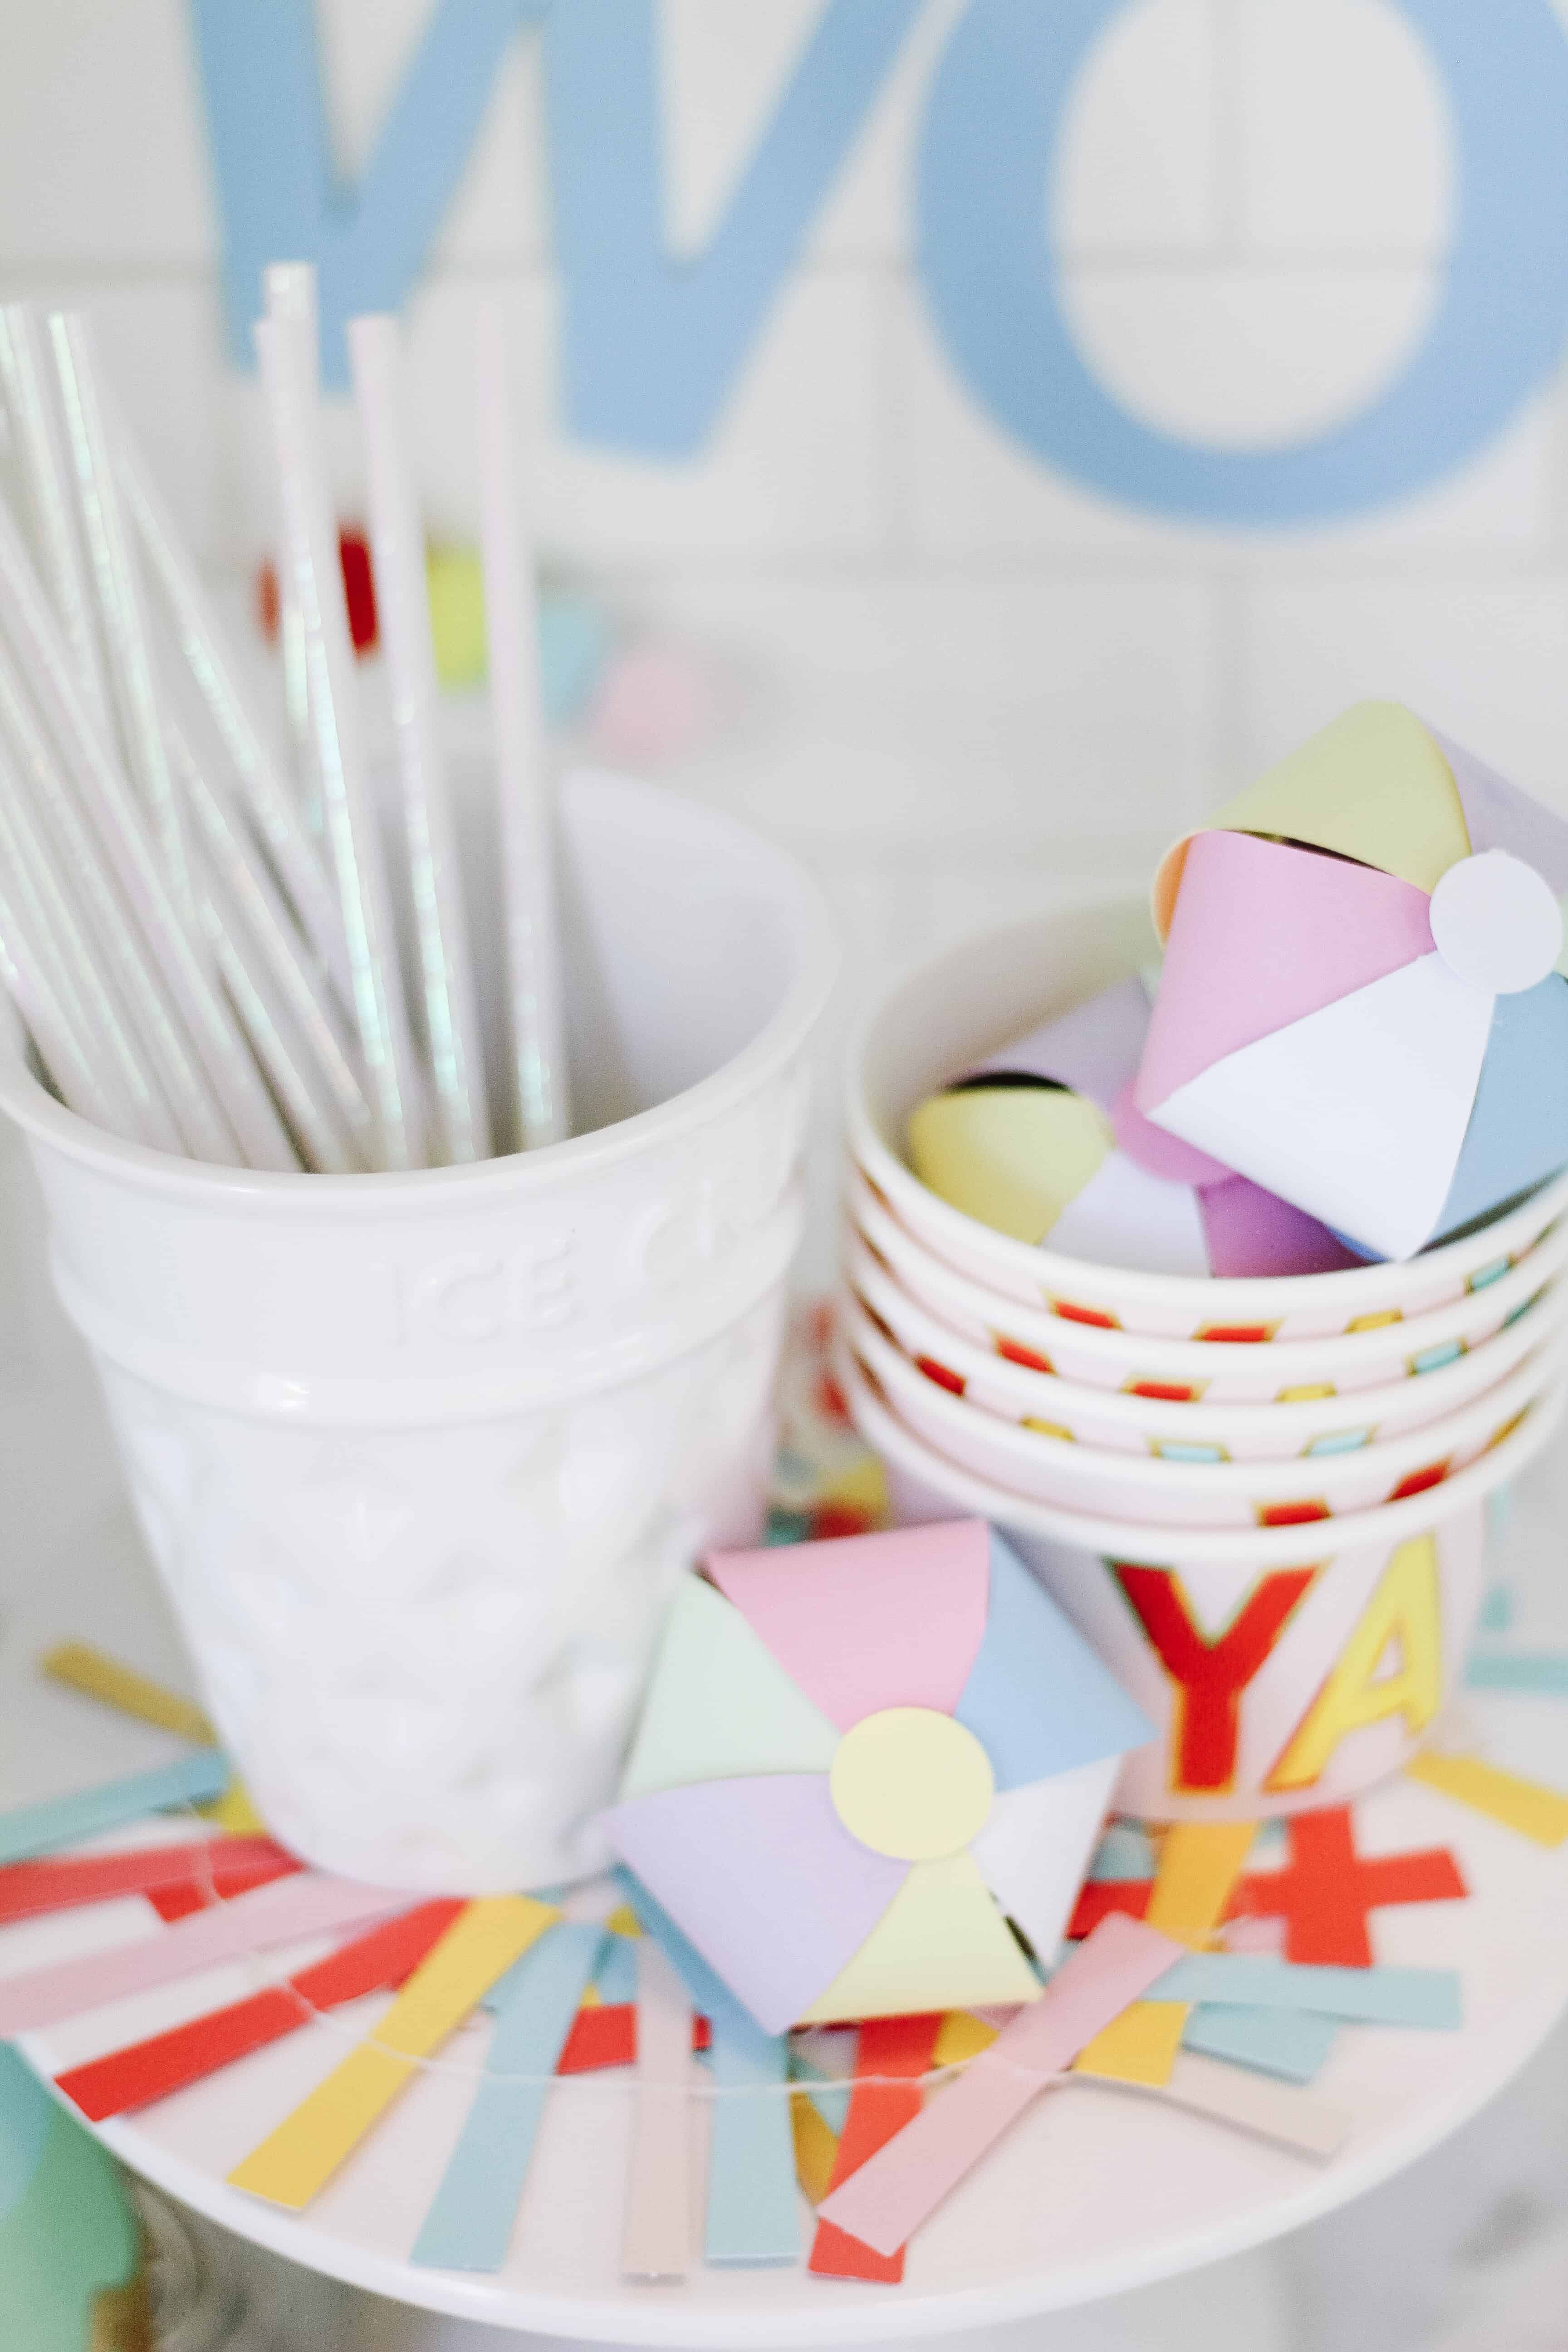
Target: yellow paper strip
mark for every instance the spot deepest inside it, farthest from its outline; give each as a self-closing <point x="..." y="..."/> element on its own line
<point x="1199" y="1863"/>
<point x="306" y="2149"/>
<point x="1523" y="1805"/>
<point x="623" y="1921"/>
<point x="816" y="2147"/>
<point x="235" y="1813"/>
<point x="963" y="2036"/>
<point x="87" y="1669"/>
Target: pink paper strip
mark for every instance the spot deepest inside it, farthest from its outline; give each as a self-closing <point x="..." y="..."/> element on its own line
<point x="1263" y="935"/>
<point x="885" y="2201"/>
<point x="874" y="1622"/>
<point x="282" y="1913"/>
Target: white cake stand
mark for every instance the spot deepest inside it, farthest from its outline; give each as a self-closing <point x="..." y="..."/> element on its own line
<point x="1098" y="2190"/>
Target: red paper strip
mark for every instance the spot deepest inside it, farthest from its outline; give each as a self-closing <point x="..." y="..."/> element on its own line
<point x="1325" y="1893"/>
<point x="607" y="2035"/>
<point x="145" y="2071"/>
<point x="163" y="1872"/>
<point x="172" y="1902"/>
<point x="887" y="2046"/>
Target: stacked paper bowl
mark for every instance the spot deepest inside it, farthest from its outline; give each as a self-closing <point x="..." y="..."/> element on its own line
<point x="1262" y="1499"/>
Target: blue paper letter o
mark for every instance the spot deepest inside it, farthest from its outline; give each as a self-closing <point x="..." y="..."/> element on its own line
<point x="995" y="109"/>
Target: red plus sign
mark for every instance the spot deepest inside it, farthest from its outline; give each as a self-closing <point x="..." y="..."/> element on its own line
<point x="1326" y="1892"/>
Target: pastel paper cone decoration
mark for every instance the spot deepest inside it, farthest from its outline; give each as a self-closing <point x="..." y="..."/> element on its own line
<point x="933" y="1746"/>
<point x="1045" y="1142"/>
<point x="1358" y="1008"/>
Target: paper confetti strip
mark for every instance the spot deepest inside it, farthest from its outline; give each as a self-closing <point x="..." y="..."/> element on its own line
<point x="300" y="2157"/>
<point x="288" y="1910"/>
<point x="94" y="1672"/>
<point x="815" y="2145"/>
<point x="656" y="2231"/>
<point x="1416" y="1996"/>
<point x="1534" y="1811"/>
<point x="143" y="2071"/>
<point x="1273" y="2110"/>
<point x="880" y="2110"/>
<point x="1542" y="1670"/>
<point x="883" y="2202"/>
<point x="71" y="1820"/>
<point x="1293" y="2043"/>
<point x="469" y="2222"/>
<point x="1199" y="1865"/>
<point x="752" y="2214"/>
<point x="211" y="1867"/>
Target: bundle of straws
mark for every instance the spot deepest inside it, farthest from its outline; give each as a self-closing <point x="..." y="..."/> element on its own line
<point x="199" y="933"/>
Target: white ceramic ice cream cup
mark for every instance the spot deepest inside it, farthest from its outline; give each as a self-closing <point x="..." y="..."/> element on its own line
<point x="1043" y="1467"/>
<point x="952" y="1013"/>
<point x="1214" y="1370"/>
<point x="421" y="1456"/>
<point x="1177" y="1431"/>
<point x="1316" y="1703"/>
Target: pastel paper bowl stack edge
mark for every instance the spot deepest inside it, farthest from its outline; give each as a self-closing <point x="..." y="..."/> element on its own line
<point x="1295" y="1466"/>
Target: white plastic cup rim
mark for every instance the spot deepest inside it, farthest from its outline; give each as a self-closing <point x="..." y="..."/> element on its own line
<point x="1389" y="1523"/>
<point x="1025" y="1270"/>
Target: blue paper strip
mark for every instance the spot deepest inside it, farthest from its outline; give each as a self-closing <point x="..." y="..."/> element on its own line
<point x="1291" y="2042"/>
<point x="617" y="1981"/>
<point x="1497" y="1609"/>
<point x="1424" y="1997"/>
<point x="1124" y="1852"/>
<point x="753" y="2204"/>
<point x="1544" y="1671"/>
<point x="827" y="2096"/>
<point x="469" y="2225"/>
<point x="195" y="1780"/>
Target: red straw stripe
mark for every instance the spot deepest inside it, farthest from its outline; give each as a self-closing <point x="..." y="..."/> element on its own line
<point x="28" y="1889"/>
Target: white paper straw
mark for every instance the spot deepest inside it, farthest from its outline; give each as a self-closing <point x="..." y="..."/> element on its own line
<point x="289" y="288"/>
<point x="46" y="487"/>
<point x="45" y="972"/>
<point x="290" y="1028"/>
<point x="349" y="813"/>
<point x="511" y="632"/>
<point x="117" y="588"/>
<point x="402" y="603"/>
<point x="231" y="1118"/>
<point x="269" y="799"/>
<point x="152" y="1054"/>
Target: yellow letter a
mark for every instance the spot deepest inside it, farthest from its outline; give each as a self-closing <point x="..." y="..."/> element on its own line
<point x="1404" y="1607"/>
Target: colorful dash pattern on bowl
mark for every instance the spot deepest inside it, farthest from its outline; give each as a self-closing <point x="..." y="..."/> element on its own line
<point x="1359" y="1005"/>
<point x="855" y="1757"/>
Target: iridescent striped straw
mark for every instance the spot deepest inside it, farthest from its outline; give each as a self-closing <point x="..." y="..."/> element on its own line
<point x="117" y="589"/>
<point x="403" y="605"/>
<point x="222" y="1107"/>
<point x="291" y="291"/>
<point x="512" y="629"/>
<point x="289" y="377"/>
<point x="46" y="489"/>
<point x="269" y="799"/>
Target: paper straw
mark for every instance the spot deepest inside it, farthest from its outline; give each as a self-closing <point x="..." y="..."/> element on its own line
<point x="231" y="1118"/>
<point x="349" y="813"/>
<point x="136" y="1028"/>
<point x="325" y="1099"/>
<point x="289" y="287"/>
<point x="402" y="603"/>
<point x="269" y="799"/>
<point x="511" y="632"/>
<point x="46" y="485"/>
<point x="117" y="588"/>
<point x="31" y="979"/>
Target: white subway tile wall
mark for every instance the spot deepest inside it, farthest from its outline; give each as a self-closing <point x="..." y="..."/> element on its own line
<point x="957" y="681"/>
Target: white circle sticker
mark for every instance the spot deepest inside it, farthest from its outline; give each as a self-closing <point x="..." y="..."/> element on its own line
<point x="1495" y="923"/>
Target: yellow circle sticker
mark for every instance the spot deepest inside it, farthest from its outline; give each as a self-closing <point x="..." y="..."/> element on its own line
<point x="912" y="1783"/>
